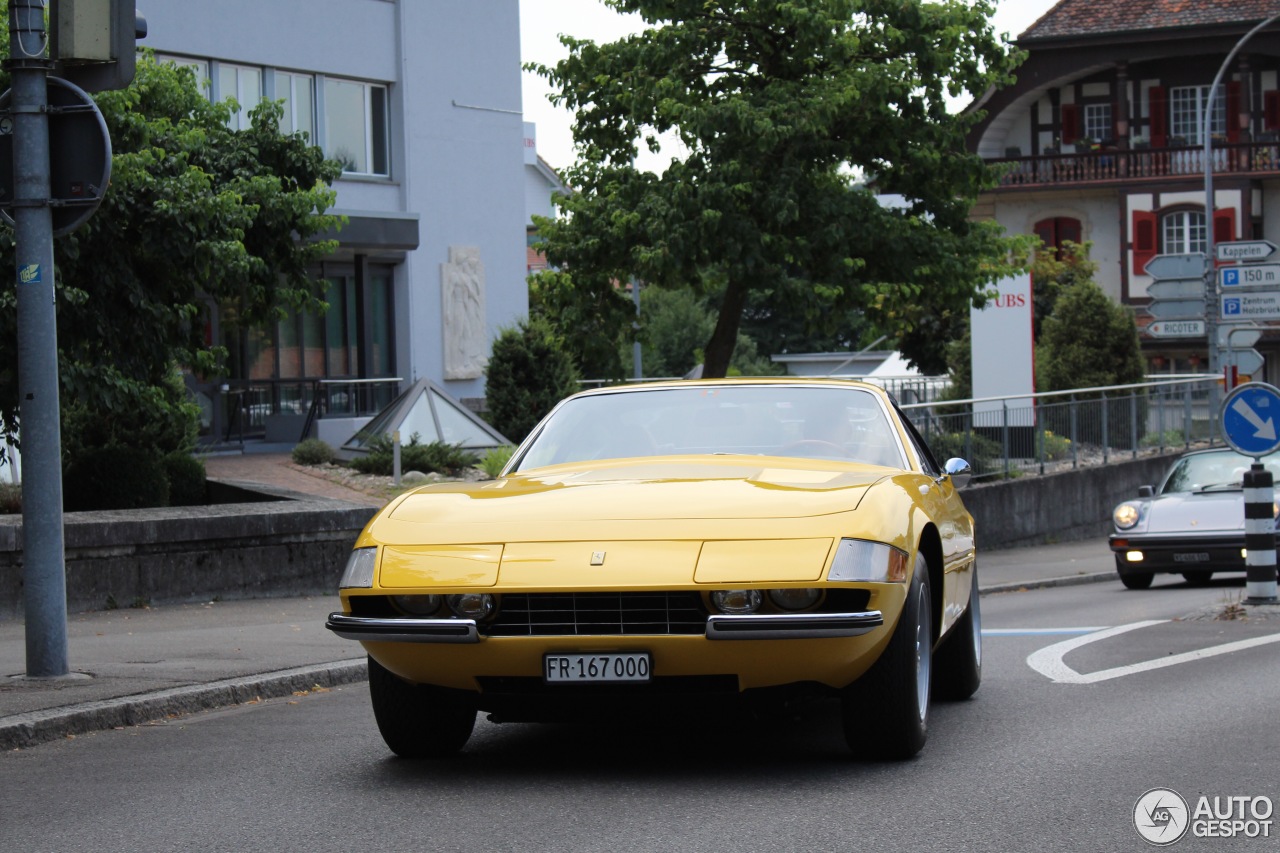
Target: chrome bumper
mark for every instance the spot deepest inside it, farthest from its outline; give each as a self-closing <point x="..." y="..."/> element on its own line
<point x="765" y="626"/>
<point x="792" y="626"/>
<point x="402" y="629"/>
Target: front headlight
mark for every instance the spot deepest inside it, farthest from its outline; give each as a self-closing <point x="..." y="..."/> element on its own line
<point x="416" y="605"/>
<point x="472" y="605"/>
<point x="359" y="571"/>
<point x="1126" y="516"/>
<point x="795" y="599"/>
<point x="875" y="562"/>
<point x="736" y="602"/>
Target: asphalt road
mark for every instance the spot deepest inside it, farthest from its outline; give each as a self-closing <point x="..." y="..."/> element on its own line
<point x="1052" y="754"/>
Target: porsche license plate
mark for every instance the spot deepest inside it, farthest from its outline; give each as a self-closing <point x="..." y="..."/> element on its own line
<point x="610" y="668"/>
<point x="1191" y="558"/>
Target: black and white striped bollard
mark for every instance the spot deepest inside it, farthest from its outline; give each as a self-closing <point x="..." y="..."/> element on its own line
<point x="1259" y="536"/>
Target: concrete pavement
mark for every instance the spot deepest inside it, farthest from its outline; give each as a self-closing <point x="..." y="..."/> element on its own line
<point x="132" y="666"/>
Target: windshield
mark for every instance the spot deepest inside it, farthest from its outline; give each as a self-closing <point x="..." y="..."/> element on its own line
<point x="1219" y="469"/>
<point x="845" y="424"/>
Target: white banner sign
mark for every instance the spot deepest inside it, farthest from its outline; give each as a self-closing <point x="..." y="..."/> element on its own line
<point x="1003" y="351"/>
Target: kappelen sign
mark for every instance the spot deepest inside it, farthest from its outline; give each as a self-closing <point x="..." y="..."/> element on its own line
<point x="1003" y="352"/>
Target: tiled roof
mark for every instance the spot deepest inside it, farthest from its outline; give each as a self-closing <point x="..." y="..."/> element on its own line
<point x="1095" y="17"/>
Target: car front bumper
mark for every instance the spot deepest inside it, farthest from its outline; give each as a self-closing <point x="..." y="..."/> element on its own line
<point x="1179" y="553"/>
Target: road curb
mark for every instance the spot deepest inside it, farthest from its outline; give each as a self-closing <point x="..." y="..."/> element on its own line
<point x="23" y="730"/>
<point x="1068" y="580"/>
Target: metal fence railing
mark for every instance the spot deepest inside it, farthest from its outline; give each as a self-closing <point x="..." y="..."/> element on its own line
<point x="1005" y="437"/>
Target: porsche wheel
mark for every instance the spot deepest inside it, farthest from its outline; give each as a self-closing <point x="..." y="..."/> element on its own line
<point x="416" y="720"/>
<point x="1136" y="580"/>
<point x="886" y="712"/>
<point x="958" y="664"/>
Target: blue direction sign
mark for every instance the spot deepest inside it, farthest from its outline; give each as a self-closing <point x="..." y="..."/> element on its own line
<point x="1249" y="415"/>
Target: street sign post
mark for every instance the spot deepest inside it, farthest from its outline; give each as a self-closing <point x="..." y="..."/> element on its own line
<point x="1241" y="337"/>
<point x="1248" y="419"/>
<point x="1246" y="250"/>
<point x="1250" y="276"/>
<point x="1250" y="306"/>
<point x="1177" y="293"/>
<point x="1177" y="329"/>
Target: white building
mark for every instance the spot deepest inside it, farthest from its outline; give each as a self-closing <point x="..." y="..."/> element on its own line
<point x="422" y="102"/>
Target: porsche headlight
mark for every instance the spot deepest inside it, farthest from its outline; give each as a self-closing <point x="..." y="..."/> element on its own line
<point x="875" y="562"/>
<point x="359" y="571"/>
<point x="736" y="601"/>
<point x="1126" y="516"/>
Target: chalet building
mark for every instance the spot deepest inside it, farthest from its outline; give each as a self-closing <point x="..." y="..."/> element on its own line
<point x="1100" y="140"/>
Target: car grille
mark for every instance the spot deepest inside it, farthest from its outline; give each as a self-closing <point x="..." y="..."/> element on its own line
<point x="598" y="614"/>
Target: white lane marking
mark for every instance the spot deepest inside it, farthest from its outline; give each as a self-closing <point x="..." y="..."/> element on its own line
<point x="1036" y="632"/>
<point x="1048" y="661"/>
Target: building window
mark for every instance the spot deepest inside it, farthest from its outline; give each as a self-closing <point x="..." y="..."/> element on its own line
<point x="298" y="93"/>
<point x="1186" y="113"/>
<point x="355" y="126"/>
<point x="245" y="85"/>
<point x="1056" y="232"/>
<point x="1183" y="232"/>
<point x="1097" y="121"/>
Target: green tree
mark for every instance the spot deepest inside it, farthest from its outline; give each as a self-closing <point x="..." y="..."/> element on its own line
<point x="1088" y="341"/>
<point x="675" y="327"/>
<point x="590" y="315"/>
<point x="196" y="214"/>
<point x="529" y="372"/>
<point x="779" y="107"/>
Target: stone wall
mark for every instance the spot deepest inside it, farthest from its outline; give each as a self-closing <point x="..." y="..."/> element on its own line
<point x="270" y="547"/>
<point x="1061" y="507"/>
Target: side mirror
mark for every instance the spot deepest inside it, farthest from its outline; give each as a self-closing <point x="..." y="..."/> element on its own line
<point x="959" y="471"/>
<point x="1146" y="491"/>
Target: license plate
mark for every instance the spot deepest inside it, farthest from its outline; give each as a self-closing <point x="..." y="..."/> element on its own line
<point x="1191" y="558"/>
<point x="612" y="668"/>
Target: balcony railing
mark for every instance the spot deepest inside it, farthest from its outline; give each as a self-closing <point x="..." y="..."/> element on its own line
<point x="1112" y="164"/>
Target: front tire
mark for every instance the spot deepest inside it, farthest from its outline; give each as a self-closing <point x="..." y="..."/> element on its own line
<point x="958" y="663"/>
<point x="418" y="720"/>
<point x="1137" y="580"/>
<point x="886" y="712"/>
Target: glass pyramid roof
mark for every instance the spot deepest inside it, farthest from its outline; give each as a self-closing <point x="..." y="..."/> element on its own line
<point x="432" y="415"/>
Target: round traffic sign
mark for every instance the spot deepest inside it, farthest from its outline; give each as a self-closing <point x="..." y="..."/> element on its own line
<point x="79" y="156"/>
<point x="1249" y="417"/>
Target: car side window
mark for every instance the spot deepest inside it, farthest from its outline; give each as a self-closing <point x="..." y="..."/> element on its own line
<point x="927" y="462"/>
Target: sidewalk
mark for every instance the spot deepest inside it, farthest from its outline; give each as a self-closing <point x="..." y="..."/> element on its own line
<point x="131" y="666"/>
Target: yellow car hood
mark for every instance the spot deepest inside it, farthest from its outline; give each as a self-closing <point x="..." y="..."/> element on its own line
<point x="644" y="499"/>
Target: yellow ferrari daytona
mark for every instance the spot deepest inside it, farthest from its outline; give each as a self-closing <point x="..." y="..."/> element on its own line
<point x="653" y="547"/>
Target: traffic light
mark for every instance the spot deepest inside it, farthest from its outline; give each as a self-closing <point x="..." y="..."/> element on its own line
<point x="94" y="42"/>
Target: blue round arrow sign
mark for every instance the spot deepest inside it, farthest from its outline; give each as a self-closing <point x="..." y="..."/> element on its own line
<point x="1251" y="418"/>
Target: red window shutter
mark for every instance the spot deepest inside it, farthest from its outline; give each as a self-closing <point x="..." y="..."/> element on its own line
<point x="1271" y="110"/>
<point x="1047" y="231"/>
<point x="1070" y="117"/>
<point x="1068" y="229"/>
<point x="1233" y="111"/>
<point x="1158" y="113"/>
<point x="1224" y="225"/>
<point x="1144" y="240"/>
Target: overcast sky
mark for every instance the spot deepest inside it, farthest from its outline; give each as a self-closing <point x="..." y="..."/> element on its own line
<point x="541" y="22"/>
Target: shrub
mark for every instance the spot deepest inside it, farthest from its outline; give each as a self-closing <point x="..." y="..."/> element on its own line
<point x="114" y="477"/>
<point x="415" y="456"/>
<point x="496" y="459"/>
<point x="529" y="372"/>
<point x="983" y="455"/>
<point x="1055" y="446"/>
<point x="187" y="478"/>
<point x="155" y="418"/>
<point x="313" y="451"/>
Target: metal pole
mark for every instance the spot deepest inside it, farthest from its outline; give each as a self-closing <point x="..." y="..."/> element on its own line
<point x="1212" y="308"/>
<point x="43" y="556"/>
